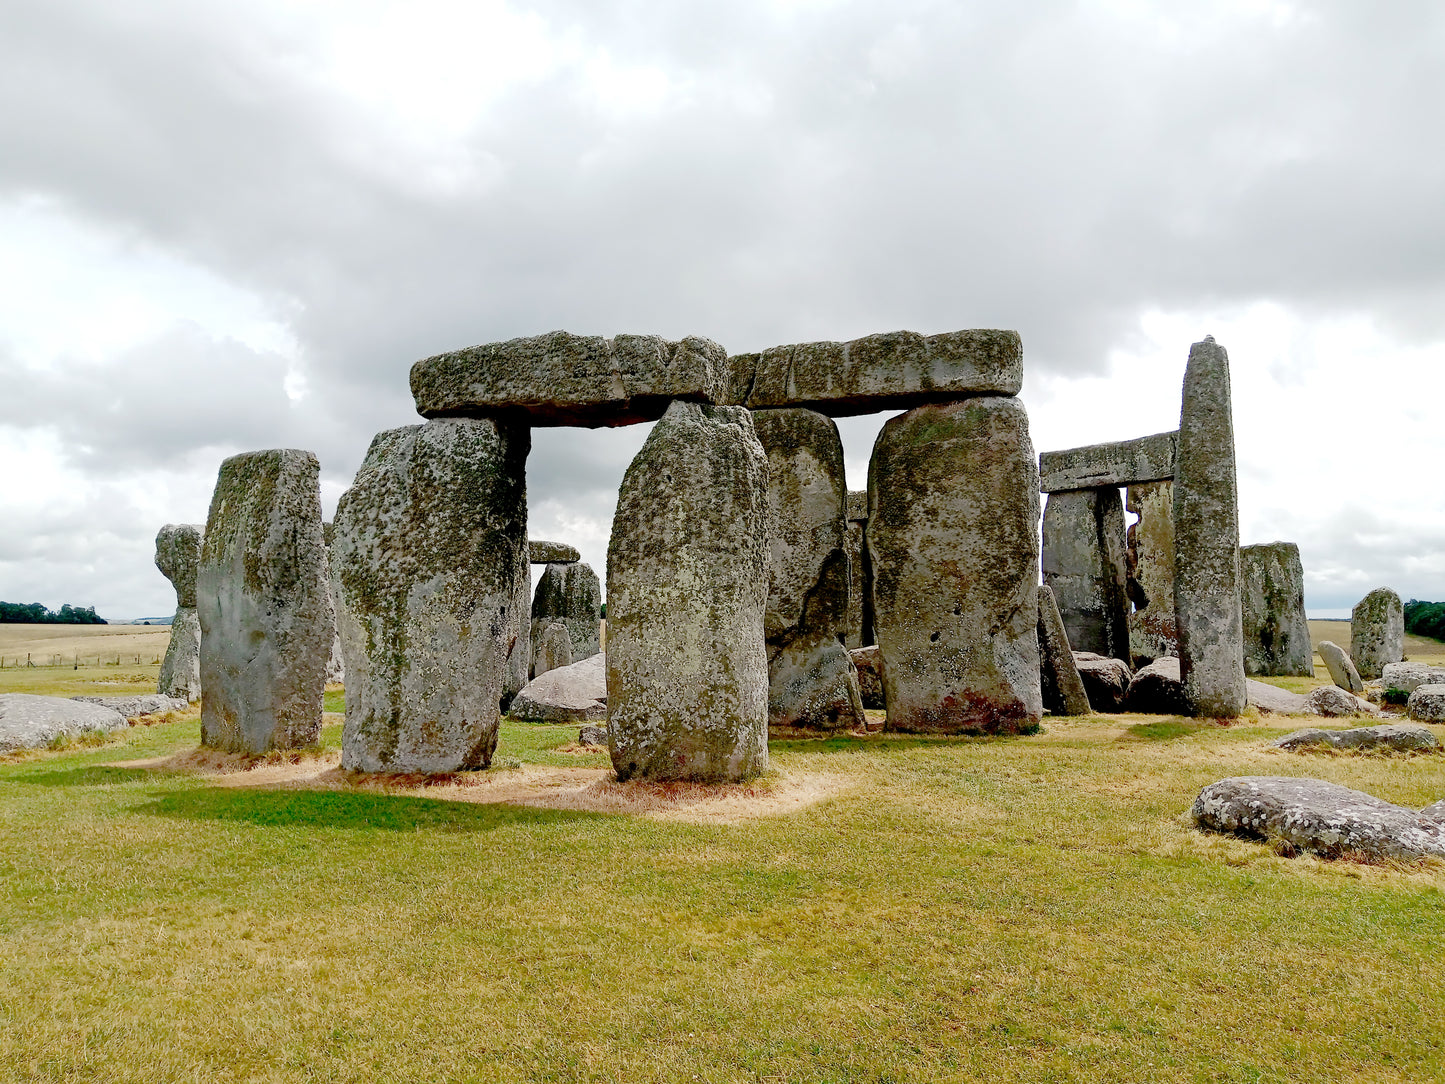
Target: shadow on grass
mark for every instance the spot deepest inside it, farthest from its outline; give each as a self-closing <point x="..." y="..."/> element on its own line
<point x="98" y="775"/>
<point x="884" y="743"/>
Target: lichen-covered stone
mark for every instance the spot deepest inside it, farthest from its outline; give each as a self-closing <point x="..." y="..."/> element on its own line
<point x="551" y="553"/>
<point x="1333" y="702"/>
<point x="1206" y="540"/>
<point x="264" y="604"/>
<point x="1062" y="687"/>
<point x="953" y="539"/>
<point x="859" y="624"/>
<point x="178" y="556"/>
<point x="135" y="706"/>
<point x="431" y="543"/>
<point x="1270" y="699"/>
<point x="552" y="650"/>
<point x="868" y="661"/>
<point x="1276" y="631"/>
<point x="1084" y="564"/>
<point x="336" y="663"/>
<point x="569" y="593"/>
<point x="1342" y="669"/>
<point x="1121" y="463"/>
<point x="33" y="722"/>
<point x="1390" y="738"/>
<point x="519" y="653"/>
<point x="1427" y="704"/>
<point x="687" y="585"/>
<point x="1150" y="565"/>
<point x="1406" y="677"/>
<point x="811" y="681"/>
<point x="567" y="694"/>
<point x="1106" y="681"/>
<point x="1377" y="632"/>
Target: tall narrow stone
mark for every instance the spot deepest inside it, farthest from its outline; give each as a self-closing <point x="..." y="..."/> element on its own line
<point x="431" y="543"/>
<point x="335" y="664"/>
<point x="1377" y="632"/>
<point x="860" y="582"/>
<point x="1150" y="563"/>
<point x="687" y="586"/>
<point x="953" y="495"/>
<point x="569" y="593"/>
<point x="1272" y="596"/>
<point x="178" y="555"/>
<point x="1062" y="687"/>
<point x="1206" y="540"/>
<point x="519" y="652"/>
<point x="264" y="605"/>
<point x="812" y="682"/>
<point x="1084" y="564"/>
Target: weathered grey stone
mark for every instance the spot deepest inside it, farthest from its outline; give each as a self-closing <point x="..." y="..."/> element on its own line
<point x="1272" y="700"/>
<point x="859" y="623"/>
<point x="135" y="706"/>
<point x="1272" y="593"/>
<point x="592" y="735"/>
<point x="1390" y="738"/>
<point x="565" y="379"/>
<point x="1157" y="689"/>
<point x="1427" y="704"/>
<point x="335" y="664"/>
<point x="33" y="722"/>
<point x="1333" y="702"/>
<point x="569" y="593"/>
<point x="264" y="604"/>
<point x="1322" y="818"/>
<point x="178" y="556"/>
<point x="1106" y="680"/>
<point x="857" y="506"/>
<point x="1377" y="632"/>
<point x="1084" y="564"/>
<point x="518" y="669"/>
<point x="551" y="553"/>
<point x="1342" y="669"/>
<point x="811" y="681"/>
<point x="1062" y="687"/>
<point x="553" y="649"/>
<point x="953" y="539"/>
<point x="1150" y="565"/>
<point x="890" y="371"/>
<point x="687" y="585"/>
<point x="1121" y="463"/>
<point x="1206" y="540"/>
<point x="568" y="694"/>
<point x="1406" y="677"/>
<point x="868" y="661"/>
<point x="431" y="543"/>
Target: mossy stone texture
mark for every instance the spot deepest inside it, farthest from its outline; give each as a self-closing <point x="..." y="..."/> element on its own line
<point x="569" y="593"/>
<point x="953" y="499"/>
<point x="1149" y="560"/>
<point x="551" y="553"/>
<point x="263" y="604"/>
<point x="1085" y="565"/>
<point x="687" y="583"/>
<point x="431" y="543"/>
<point x="1377" y="632"/>
<point x="859" y="624"/>
<point x="1121" y="463"/>
<point x="553" y="649"/>
<point x="1272" y="594"/>
<point x="178" y="556"/>
<point x="1062" y="687"/>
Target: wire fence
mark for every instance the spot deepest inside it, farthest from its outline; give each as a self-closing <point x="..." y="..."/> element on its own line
<point x="32" y="661"/>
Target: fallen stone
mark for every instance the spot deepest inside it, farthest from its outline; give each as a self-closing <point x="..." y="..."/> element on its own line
<point x="1391" y="738"/>
<point x="569" y="593"/>
<point x="264" y="604"/>
<point x="1059" y="681"/>
<point x="1084" y="564"/>
<point x="568" y="694"/>
<point x="1427" y="704"/>
<point x="687" y="585"/>
<point x="1319" y="817"/>
<point x="1406" y="677"/>
<point x="33" y="722"/>
<point x="1276" y="631"/>
<point x="1158" y="690"/>
<point x="553" y="649"/>
<point x="1377" y="632"/>
<point x="869" y="663"/>
<point x="551" y="553"/>
<point x="1272" y="700"/>
<point x="178" y="556"/>
<point x="592" y="735"/>
<point x="133" y="707"/>
<point x="1333" y="702"/>
<point x="953" y="540"/>
<point x="1121" y="463"/>
<point x="1149" y="563"/>
<point x="1342" y="670"/>
<point x="1106" y="680"/>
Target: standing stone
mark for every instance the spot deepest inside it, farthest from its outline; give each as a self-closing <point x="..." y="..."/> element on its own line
<point x="569" y="593"/>
<point x="1342" y="670"/>
<point x="178" y="555"/>
<point x="335" y="665"/>
<point x="431" y="542"/>
<point x="1272" y="594"/>
<point x="1084" y="565"/>
<point x="264" y="604"/>
<point x="687" y="585"/>
<point x="1377" y="632"/>
<point x="1150" y="564"/>
<point x="1206" y="540"/>
<point x="953" y="537"/>
<point x="553" y="649"/>
<point x="1062" y="687"/>
<point x="519" y="653"/>
<point x="860" y="583"/>
<point x="812" y="682"/>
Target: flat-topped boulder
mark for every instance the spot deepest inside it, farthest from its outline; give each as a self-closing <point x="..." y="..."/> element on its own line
<point x="135" y="706"/>
<point x="564" y="379"/>
<point x="890" y="371"/>
<point x="1333" y="702"/>
<point x="1427" y="704"/>
<point x="1406" y="677"/>
<point x="1106" y="680"/>
<point x="1272" y="700"/>
<point x="567" y="694"/>
<point x="1392" y="738"/>
<point x="1118" y="463"/>
<point x="551" y="553"/>
<point x="33" y="722"/>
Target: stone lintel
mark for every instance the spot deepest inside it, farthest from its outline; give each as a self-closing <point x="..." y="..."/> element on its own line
<point x="552" y="553"/>
<point x="1122" y="463"/>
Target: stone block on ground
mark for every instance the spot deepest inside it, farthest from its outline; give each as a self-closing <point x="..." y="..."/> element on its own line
<point x="569" y="593"/>
<point x="133" y="707"/>
<point x="551" y="553"/>
<point x="33" y="722"/>
<point x="1333" y="702"/>
<point x="1106" y="680"/>
<point x="1121" y="463"/>
<point x="1059" y="681"/>
<point x="1390" y="738"/>
<point x="868" y="661"/>
<point x="1276" y="631"/>
<point x="1427" y="704"/>
<point x="553" y="649"/>
<point x="178" y="556"/>
<point x="1377" y="632"/>
<point x="1271" y="700"/>
<point x="1084" y="563"/>
<point x="592" y="735"/>
<point x="1157" y="689"/>
<point x="1342" y="669"/>
<point x="1403" y="678"/>
<point x="568" y="694"/>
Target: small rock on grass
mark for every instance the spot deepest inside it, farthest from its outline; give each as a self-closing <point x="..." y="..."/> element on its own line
<point x="1333" y="702"/>
<point x="1393" y="738"/>
<point x="592" y="735"/>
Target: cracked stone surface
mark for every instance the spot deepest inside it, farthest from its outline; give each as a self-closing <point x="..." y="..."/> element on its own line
<point x="1393" y="737"/>
<point x="33" y="722"/>
<point x="1062" y="687"/>
<point x="1084" y="564"/>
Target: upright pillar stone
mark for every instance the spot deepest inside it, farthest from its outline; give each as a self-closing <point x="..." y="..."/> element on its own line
<point x="1272" y="597"/>
<point x="431" y="543"/>
<point x="812" y="682"/>
<point x="1084" y="564"/>
<point x="335" y="665"/>
<point x="1377" y="632"/>
<point x="953" y="495"/>
<point x="519" y="652"/>
<point x="1150" y="565"/>
<point x="569" y="593"/>
<point x="264" y="604"/>
<point x="1063" y="688"/>
<point x="687" y="587"/>
<point x="1206" y="540"/>
<point x="178" y="555"/>
<point x="860" y="582"/>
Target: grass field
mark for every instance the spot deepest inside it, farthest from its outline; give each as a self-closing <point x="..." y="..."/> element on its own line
<point x="113" y="660"/>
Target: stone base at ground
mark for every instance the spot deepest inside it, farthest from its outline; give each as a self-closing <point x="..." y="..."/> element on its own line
<point x="1273" y="701"/>
<point x="592" y="735"/>
<point x="568" y="694"/>
<point x="1106" y="681"/>
<point x="33" y="722"/>
<point x="1059" y="681"/>
<point x="1377" y="632"/>
<point x="181" y="668"/>
<point x="1392" y="738"/>
<point x="1427" y="704"/>
<point x="552" y="650"/>
<point x="1276" y="631"/>
<point x="1406" y="677"/>
<point x="1158" y="690"/>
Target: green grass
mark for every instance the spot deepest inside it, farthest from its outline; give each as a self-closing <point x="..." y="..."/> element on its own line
<point x="973" y="909"/>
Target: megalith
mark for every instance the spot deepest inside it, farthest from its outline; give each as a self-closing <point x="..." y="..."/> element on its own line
<point x="859" y="624"/>
<point x="1059" y="680"/>
<point x="264" y="604"/>
<point x="812" y="682"/>
<point x="1206" y="540"/>
<point x="1084" y="564"/>
<point x="1341" y="667"/>
<point x="953" y="495"/>
<point x="178" y="555"/>
<point x="1272" y="599"/>
<point x="553" y="649"/>
<point x="519" y="653"/>
<point x="1377" y="632"/>
<point x="431" y="543"/>
<point x="569" y="593"/>
<point x="1150" y="567"/>
<point x="335" y="664"/>
<point x="687" y="585"/>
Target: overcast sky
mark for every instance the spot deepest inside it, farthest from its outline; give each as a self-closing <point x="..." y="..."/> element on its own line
<point x="233" y="226"/>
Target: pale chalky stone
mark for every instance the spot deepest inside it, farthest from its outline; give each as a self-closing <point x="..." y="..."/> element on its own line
<point x="1406" y="677"/>
<point x="1276" y="631"/>
<point x="1062" y="687"/>
<point x="178" y="556"/>
<point x="1390" y="738"/>
<point x="569" y="593"/>
<point x="1084" y="565"/>
<point x="431" y="543"/>
<point x="33" y="722"/>
<point x="687" y="585"/>
<point x="1342" y="669"/>
<point x="1377" y="632"/>
<point x="953" y="538"/>
<point x="264" y="604"/>
<point x="553" y="649"/>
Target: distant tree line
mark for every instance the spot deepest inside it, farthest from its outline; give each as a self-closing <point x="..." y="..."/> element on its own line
<point x="33" y="613"/>
<point x="1425" y="618"/>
